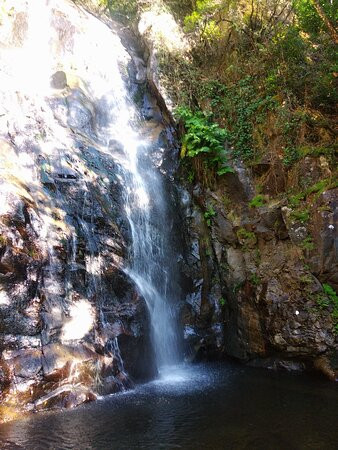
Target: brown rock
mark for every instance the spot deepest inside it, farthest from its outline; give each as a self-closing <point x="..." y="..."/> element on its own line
<point x="322" y="364"/>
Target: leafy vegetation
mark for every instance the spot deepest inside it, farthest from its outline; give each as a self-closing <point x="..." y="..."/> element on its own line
<point x="202" y="136"/>
<point x="257" y="201"/>
<point x="123" y="8"/>
<point x="307" y="244"/>
<point x="259" y="86"/>
<point x="300" y="215"/>
<point x="315" y="189"/>
<point x="222" y="301"/>
<point x="263" y="70"/>
<point x="205" y="139"/>
<point x="209" y="214"/>
<point x="329" y="299"/>
<point x="255" y="279"/>
<point x="246" y="238"/>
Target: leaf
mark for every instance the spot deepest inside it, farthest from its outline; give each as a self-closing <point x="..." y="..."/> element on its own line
<point x="203" y="137"/>
<point x="204" y="150"/>
<point x="224" y="170"/>
<point x="183" y="150"/>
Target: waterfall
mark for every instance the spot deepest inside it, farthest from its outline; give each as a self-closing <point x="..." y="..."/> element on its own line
<point x="152" y="261"/>
<point x="118" y="127"/>
<point x="151" y="266"/>
<point x="76" y="140"/>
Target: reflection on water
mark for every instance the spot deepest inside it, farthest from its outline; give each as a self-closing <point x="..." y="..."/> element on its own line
<point x="194" y="407"/>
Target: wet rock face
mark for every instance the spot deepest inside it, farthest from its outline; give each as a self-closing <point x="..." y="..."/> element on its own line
<point x="254" y="288"/>
<point x="72" y="324"/>
<point x="253" y="277"/>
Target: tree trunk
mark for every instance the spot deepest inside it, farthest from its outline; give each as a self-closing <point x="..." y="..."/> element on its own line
<point x="326" y="20"/>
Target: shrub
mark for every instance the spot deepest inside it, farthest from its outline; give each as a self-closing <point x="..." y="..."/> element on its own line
<point x="204" y="138"/>
<point x="222" y="301"/>
<point x="126" y="8"/>
<point x="308" y="244"/>
<point x="247" y="239"/>
<point x="209" y="214"/>
<point x="257" y="201"/>
<point x="330" y="301"/>
<point x="300" y="215"/>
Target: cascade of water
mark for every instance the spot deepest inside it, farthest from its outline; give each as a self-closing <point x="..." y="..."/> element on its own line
<point x="92" y="261"/>
<point x="34" y="64"/>
<point x="151" y="260"/>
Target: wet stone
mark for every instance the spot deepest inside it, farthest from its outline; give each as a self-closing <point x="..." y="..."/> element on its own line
<point x="58" y="80"/>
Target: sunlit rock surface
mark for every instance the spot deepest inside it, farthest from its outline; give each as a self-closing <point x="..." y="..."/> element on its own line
<point x="161" y="35"/>
<point x="72" y="325"/>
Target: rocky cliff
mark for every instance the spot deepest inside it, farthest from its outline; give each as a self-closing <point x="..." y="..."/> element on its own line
<point x="258" y="293"/>
<point x="260" y="262"/>
<point x="72" y="324"/>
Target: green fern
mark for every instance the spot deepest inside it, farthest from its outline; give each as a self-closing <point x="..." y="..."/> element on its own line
<point x="203" y="137"/>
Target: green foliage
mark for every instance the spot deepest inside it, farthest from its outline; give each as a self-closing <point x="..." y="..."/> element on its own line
<point x="202" y="19"/>
<point x="308" y="150"/>
<point x="291" y="155"/>
<point x="257" y="201"/>
<point x="212" y="20"/>
<point x="242" y="233"/>
<point x="321" y="186"/>
<point x="265" y="71"/>
<point x="222" y="301"/>
<point x="306" y="279"/>
<point x="308" y="244"/>
<point x="308" y="17"/>
<point x="126" y="8"/>
<point x="204" y="138"/>
<point x="191" y="176"/>
<point x="242" y="106"/>
<point x="209" y="214"/>
<point x="258" y="256"/>
<point x="225" y="169"/>
<point x="295" y="200"/>
<point x="329" y="300"/>
<point x="255" y="279"/>
<point x="226" y="201"/>
<point x="246" y="238"/>
<point x="322" y="301"/>
<point x="236" y="287"/>
<point x="328" y="290"/>
<point x="260" y="73"/>
<point x="300" y="215"/>
<point x="290" y="123"/>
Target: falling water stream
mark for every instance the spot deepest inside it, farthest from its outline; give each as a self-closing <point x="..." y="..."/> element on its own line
<point x="150" y="267"/>
<point x="99" y="63"/>
<point x="151" y="258"/>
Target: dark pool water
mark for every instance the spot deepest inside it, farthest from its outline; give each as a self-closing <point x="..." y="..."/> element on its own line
<point x="197" y="407"/>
